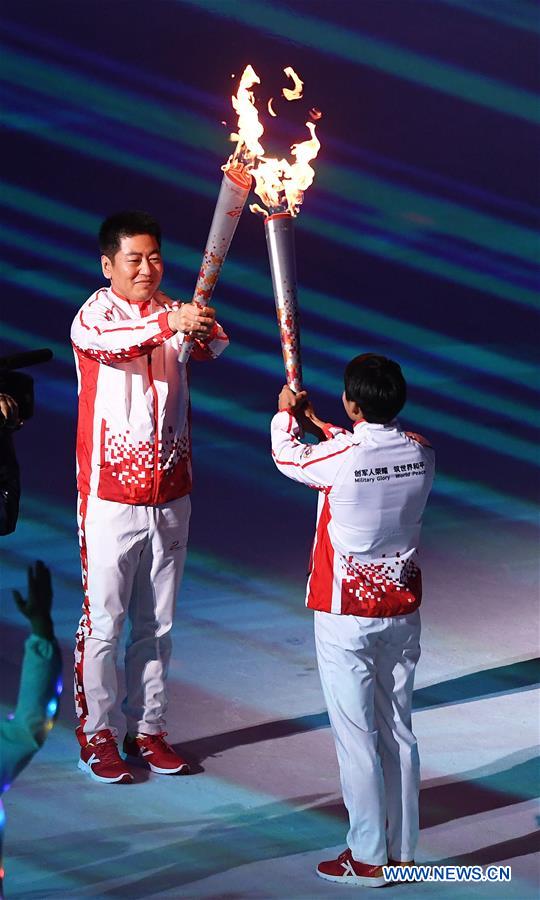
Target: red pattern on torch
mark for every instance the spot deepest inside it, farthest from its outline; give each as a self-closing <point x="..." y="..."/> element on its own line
<point x="233" y="194"/>
<point x="279" y="231"/>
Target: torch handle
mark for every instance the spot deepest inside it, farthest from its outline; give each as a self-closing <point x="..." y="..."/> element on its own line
<point x="187" y="343"/>
<point x="185" y="349"/>
<point x="279" y="230"/>
<point x="235" y="187"/>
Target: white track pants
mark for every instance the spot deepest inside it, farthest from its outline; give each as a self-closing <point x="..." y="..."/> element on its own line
<point x="367" y="673"/>
<point x="132" y="564"/>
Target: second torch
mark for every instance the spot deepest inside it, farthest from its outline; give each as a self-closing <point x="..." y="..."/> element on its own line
<point x="279" y="231"/>
<point x="235" y="187"/>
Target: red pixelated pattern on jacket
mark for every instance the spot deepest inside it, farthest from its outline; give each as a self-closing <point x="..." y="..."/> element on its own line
<point x="128" y="469"/>
<point x="392" y="588"/>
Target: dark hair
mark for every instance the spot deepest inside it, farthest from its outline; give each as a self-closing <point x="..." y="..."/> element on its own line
<point x="377" y="385"/>
<point x="126" y="224"/>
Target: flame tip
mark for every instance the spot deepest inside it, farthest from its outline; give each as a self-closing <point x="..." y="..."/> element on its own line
<point x="296" y="92"/>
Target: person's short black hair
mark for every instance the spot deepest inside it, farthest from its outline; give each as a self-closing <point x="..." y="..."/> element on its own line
<point x="126" y="224"/>
<point x="376" y="384"/>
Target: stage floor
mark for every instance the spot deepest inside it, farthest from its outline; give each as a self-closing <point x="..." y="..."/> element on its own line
<point x="263" y="805"/>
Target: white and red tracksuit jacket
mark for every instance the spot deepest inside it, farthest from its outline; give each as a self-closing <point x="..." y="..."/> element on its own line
<point x="133" y="434"/>
<point x="374" y="484"/>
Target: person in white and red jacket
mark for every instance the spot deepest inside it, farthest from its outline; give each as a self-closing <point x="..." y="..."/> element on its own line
<point x="134" y="483"/>
<point x="365" y="587"/>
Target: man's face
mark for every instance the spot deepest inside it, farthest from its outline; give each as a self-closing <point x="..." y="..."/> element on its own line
<point x="136" y="269"/>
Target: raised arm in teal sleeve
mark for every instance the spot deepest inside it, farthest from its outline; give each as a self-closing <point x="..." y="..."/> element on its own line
<point x="23" y="734"/>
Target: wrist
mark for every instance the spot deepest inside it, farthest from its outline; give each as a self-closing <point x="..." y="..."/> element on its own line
<point x="42" y="627"/>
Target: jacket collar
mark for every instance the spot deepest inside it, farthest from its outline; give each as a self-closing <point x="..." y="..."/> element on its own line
<point x="363" y="427"/>
<point x="127" y="300"/>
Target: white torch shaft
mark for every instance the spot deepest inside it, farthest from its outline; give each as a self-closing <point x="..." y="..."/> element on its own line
<point x="235" y="187"/>
<point x="279" y="230"/>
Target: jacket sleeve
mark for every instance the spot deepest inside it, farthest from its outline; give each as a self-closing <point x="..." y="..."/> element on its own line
<point x="315" y="465"/>
<point x="96" y="335"/>
<point x="213" y="347"/>
<point x="39" y="690"/>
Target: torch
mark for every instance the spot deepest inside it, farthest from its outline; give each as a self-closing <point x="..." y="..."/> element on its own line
<point x="281" y="186"/>
<point x="279" y="231"/>
<point x="235" y="187"/>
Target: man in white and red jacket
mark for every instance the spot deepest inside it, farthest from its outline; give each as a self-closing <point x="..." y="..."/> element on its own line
<point x="134" y="482"/>
<point x="365" y="587"/>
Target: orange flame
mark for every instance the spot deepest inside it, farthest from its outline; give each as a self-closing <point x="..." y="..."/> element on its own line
<point x="288" y="93"/>
<point x="249" y="128"/>
<point x="279" y="183"/>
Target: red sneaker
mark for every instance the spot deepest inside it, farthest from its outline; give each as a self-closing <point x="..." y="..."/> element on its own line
<point x="346" y="870"/>
<point x="100" y="759"/>
<point x="153" y="750"/>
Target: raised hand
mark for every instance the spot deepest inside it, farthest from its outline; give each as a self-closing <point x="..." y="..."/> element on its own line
<point x="9" y="412"/>
<point x="36" y="607"/>
<point x="289" y="400"/>
<point x="301" y="408"/>
<point x="193" y="319"/>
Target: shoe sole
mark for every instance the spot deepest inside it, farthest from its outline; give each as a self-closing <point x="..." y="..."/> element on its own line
<point x="125" y="778"/>
<point x="137" y="761"/>
<point x="354" y="880"/>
